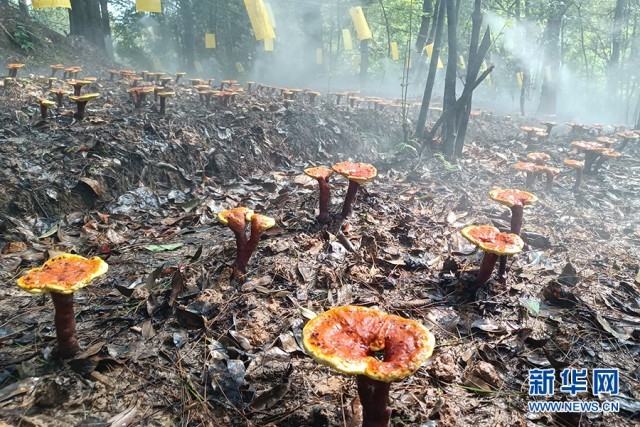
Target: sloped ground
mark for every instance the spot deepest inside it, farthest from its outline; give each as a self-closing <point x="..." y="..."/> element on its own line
<point x="169" y="338"/>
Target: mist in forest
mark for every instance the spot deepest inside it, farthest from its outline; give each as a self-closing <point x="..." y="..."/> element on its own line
<point x="518" y="46"/>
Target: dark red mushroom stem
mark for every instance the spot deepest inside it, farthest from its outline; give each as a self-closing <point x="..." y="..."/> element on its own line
<point x="486" y="268"/>
<point x="589" y="158"/>
<point x="576" y="187"/>
<point x="517" y="212"/>
<point x="53" y="72"/>
<point x="76" y="90"/>
<point x="59" y="97"/>
<point x="374" y="398"/>
<point x="249" y="247"/>
<point x="13" y="72"/>
<point x="623" y="144"/>
<point x="349" y="198"/>
<point x="44" y="111"/>
<point x="79" y="115"/>
<point x="163" y="105"/>
<point x="325" y="190"/>
<point x="65" y="322"/>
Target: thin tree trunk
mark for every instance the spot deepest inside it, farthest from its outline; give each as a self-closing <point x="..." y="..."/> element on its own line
<point x="449" y="100"/>
<point x="313" y="37"/>
<point x="431" y="77"/>
<point x="188" y="52"/>
<point x="614" y="61"/>
<point x="427" y="13"/>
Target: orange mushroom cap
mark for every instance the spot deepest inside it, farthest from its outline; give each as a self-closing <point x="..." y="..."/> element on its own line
<point x="512" y="197"/>
<point x="84" y="98"/>
<point x="235" y="218"/>
<point x="538" y="157"/>
<point x="261" y="223"/>
<point x="63" y="274"/>
<point x="628" y="134"/>
<point x="491" y="240"/>
<point x="574" y="164"/>
<point x="346" y="338"/>
<point x="606" y="140"/>
<point x="359" y="172"/>
<point x="318" y="172"/>
<point x="526" y="166"/>
<point x="15" y="65"/>
<point x="588" y="145"/>
<point x="610" y="153"/>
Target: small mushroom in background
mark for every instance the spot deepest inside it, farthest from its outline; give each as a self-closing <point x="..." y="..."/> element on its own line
<point x="494" y="244"/>
<point x="357" y="174"/>
<point x="81" y="103"/>
<point x="529" y="130"/>
<point x="312" y="94"/>
<point x="322" y="174"/>
<point x="139" y="94"/>
<point x="50" y="81"/>
<point x="550" y="173"/>
<point x="62" y="276"/>
<point x="530" y="169"/>
<point x="591" y="152"/>
<point x="538" y="158"/>
<point x="163" y="100"/>
<point x="608" y="154"/>
<point x="578" y="165"/>
<point x="164" y="81"/>
<point x="59" y="94"/>
<point x="45" y="104"/>
<point x="78" y="85"/>
<point x="13" y="69"/>
<point x="515" y="200"/>
<point x="576" y="129"/>
<point x="236" y="219"/>
<point x="627" y="136"/>
<point x="542" y="137"/>
<point x="55" y="68"/>
<point x="179" y="75"/>
<point x="250" y="85"/>
<point x="347" y="339"/>
<point x="607" y="141"/>
<point x="112" y="74"/>
<point x="549" y="126"/>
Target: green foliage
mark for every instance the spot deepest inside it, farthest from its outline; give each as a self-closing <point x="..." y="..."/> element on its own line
<point x="24" y="38"/>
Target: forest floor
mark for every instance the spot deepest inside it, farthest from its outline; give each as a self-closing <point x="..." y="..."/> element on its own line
<point x="170" y="338"/>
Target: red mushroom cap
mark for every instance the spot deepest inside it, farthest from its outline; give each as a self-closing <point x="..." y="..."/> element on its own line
<point x="359" y="172"/>
<point x="63" y="274"/>
<point x="574" y="164"/>
<point x="512" y="198"/>
<point x="346" y="338"/>
<point x="318" y="172"/>
<point x="491" y="240"/>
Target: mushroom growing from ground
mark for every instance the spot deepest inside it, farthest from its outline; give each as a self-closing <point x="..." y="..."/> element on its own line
<point x="609" y="153"/>
<point x="529" y="130"/>
<point x="591" y="152"/>
<point x="550" y="173"/>
<point x="347" y="340"/>
<point x="163" y="100"/>
<point x="77" y="85"/>
<point x="494" y="244"/>
<point x="322" y="174"/>
<point x="13" y="69"/>
<point x="139" y="95"/>
<point x="626" y="136"/>
<point x="62" y="276"/>
<point x="236" y="219"/>
<point x="55" y="68"/>
<point x="549" y="126"/>
<point x="179" y="75"/>
<point x="578" y="165"/>
<point x="45" y="104"/>
<point x="81" y="103"/>
<point x="59" y="93"/>
<point x="538" y="158"/>
<point x="357" y="174"/>
<point x="530" y="169"/>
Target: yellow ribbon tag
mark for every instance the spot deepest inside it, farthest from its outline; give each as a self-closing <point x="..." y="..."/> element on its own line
<point x="319" y="56"/>
<point x="463" y="65"/>
<point x="153" y="6"/>
<point x="346" y="39"/>
<point x="45" y="4"/>
<point x="394" y="51"/>
<point x="268" y="45"/>
<point x="239" y="67"/>
<point x="259" y="18"/>
<point x="360" y="22"/>
<point x="429" y="49"/>
<point x="210" y="41"/>
<point x="520" y="78"/>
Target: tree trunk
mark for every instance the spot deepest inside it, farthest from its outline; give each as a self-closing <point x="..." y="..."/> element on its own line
<point x="86" y="19"/>
<point x="551" y="64"/>
<point x="188" y="40"/>
<point x="614" y="60"/>
<point x="449" y="100"/>
<point x="427" y="13"/>
<point x="431" y="77"/>
<point x="364" y="61"/>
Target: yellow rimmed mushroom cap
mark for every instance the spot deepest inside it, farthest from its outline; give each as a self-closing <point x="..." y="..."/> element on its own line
<point x="491" y="240"/>
<point x="79" y="82"/>
<point x="318" y="172"/>
<point x="47" y="103"/>
<point x="236" y="217"/>
<point x="359" y="172"/>
<point x="262" y="223"/>
<point x="84" y="98"/>
<point x="166" y="94"/>
<point x="347" y="338"/>
<point x="511" y="197"/>
<point x="14" y="66"/>
<point x="574" y="164"/>
<point x="63" y="274"/>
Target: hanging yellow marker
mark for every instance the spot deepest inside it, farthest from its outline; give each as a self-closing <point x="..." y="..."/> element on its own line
<point x="483" y="68"/>
<point x="198" y="66"/>
<point x="429" y="49"/>
<point x="346" y="39"/>
<point x="210" y="41"/>
<point x="259" y="18"/>
<point x="461" y="62"/>
<point x="520" y="78"/>
<point x="319" y="56"/>
<point x="394" y="51"/>
<point x="408" y="63"/>
<point x="239" y="67"/>
<point x="45" y="4"/>
<point x="272" y="18"/>
<point x="153" y="6"/>
<point x="268" y="45"/>
<point x="547" y="73"/>
<point x="360" y="22"/>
